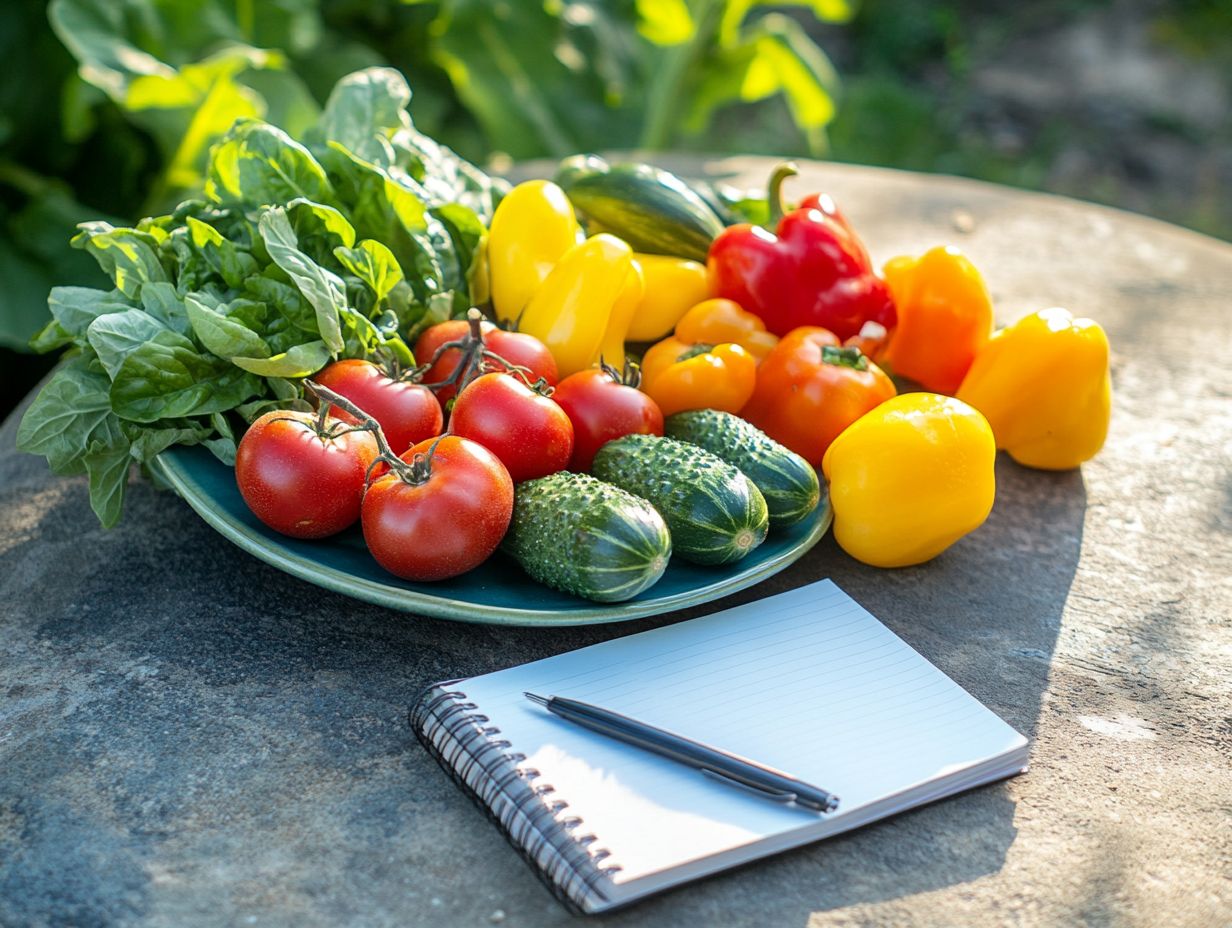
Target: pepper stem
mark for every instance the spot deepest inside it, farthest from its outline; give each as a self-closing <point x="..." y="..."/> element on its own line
<point x="774" y="192"/>
<point x="851" y="357"/>
<point x="694" y="351"/>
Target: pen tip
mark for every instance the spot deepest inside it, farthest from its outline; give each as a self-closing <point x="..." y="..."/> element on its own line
<point x="538" y="700"/>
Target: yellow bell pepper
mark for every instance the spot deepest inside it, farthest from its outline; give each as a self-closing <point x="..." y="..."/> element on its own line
<point x="571" y="309"/>
<point x="533" y="227"/>
<point x="680" y="376"/>
<point x="717" y="321"/>
<point x="673" y="285"/>
<point x="612" y="348"/>
<point x="1044" y="386"/>
<point x="910" y="478"/>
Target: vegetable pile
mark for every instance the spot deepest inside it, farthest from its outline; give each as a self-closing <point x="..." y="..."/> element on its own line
<point x="608" y="370"/>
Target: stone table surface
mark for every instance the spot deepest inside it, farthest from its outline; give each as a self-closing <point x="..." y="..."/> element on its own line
<point x="190" y="738"/>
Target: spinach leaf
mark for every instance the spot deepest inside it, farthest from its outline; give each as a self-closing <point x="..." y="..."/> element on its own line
<point x="257" y="164"/>
<point x="76" y="307"/>
<point x="223" y="335"/>
<point x="322" y="288"/>
<point x="363" y="109"/>
<point x="372" y="263"/>
<point x="300" y="361"/>
<point x="65" y="416"/>
<point x="162" y="302"/>
<point x="128" y="256"/>
<point x="148" y="441"/>
<point x="168" y="377"/>
<point x="116" y="335"/>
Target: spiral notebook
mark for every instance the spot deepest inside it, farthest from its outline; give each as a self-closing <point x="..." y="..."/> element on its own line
<point x="806" y="681"/>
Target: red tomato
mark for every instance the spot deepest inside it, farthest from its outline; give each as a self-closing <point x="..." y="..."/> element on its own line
<point x="407" y="412"/>
<point x="301" y="483"/>
<point x="529" y="433"/>
<point x="602" y="408"/>
<point x="515" y="347"/>
<point x="447" y="524"/>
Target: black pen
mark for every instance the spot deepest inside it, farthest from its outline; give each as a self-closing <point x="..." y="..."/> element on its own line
<point x="714" y="763"/>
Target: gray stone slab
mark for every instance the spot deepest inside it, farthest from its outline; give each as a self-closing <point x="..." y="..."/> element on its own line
<point x="190" y="738"/>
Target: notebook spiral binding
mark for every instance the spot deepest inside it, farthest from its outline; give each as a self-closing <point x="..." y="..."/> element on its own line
<point x="483" y="764"/>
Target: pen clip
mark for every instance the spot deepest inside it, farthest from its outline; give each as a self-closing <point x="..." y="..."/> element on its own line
<point x="775" y="794"/>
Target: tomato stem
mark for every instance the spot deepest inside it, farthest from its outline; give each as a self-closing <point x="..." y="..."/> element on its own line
<point x="631" y="376"/>
<point x="327" y="397"/>
<point x="477" y="359"/>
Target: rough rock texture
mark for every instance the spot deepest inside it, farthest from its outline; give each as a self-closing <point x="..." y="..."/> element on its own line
<point x="189" y="737"/>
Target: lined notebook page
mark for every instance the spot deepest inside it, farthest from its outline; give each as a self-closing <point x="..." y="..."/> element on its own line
<point x="806" y="681"/>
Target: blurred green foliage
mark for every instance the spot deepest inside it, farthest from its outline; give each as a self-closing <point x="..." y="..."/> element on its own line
<point x="142" y="88"/>
<point x="111" y="108"/>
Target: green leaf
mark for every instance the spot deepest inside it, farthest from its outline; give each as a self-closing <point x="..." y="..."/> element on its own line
<point x="162" y="302"/>
<point x="75" y="308"/>
<point x="466" y="232"/>
<point x="231" y="264"/>
<point x="94" y="33"/>
<point x="372" y="263"/>
<point x="222" y="335"/>
<point x="391" y="212"/>
<point x="117" y="335"/>
<point x="284" y="390"/>
<point x="222" y="448"/>
<point x="774" y="57"/>
<point x="300" y="361"/>
<point x="323" y="289"/>
<point x="168" y="378"/>
<point x="148" y="441"/>
<point x="363" y="110"/>
<point x="108" y="462"/>
<point x="318" y="228"/>
<point x="256" y="164"/>
<point x="285" y="300"/>
<point x="128" y="256"/>
<point x="65" y="416"/>
<point x="50" y="337"/>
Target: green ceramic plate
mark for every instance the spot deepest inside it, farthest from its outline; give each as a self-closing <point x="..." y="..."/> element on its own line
<point x="497" y="592"/>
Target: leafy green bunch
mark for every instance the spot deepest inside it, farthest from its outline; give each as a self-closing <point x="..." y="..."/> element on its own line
<point x="342" y="245"/>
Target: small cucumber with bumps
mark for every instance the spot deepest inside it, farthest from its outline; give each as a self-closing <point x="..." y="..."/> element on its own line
<point x="716" y="515"/>
<point x="582" y="536"/>
<point x="786" y="480"/>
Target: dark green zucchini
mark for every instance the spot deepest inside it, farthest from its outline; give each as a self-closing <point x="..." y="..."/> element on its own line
<point x="651" y="209"/>
<point x="786" y="480"/>
<point x="580" y="535"/>
<point x="716" y="515"/>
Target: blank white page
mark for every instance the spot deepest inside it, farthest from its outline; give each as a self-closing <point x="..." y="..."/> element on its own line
<point x="806" y="681"/>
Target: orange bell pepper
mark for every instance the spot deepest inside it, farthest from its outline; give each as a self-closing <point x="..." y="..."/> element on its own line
<point x="679" y="376"/>
<point x="809" y="389"/>
<point x="713" y="322"/>
<point x="944" y="318"/>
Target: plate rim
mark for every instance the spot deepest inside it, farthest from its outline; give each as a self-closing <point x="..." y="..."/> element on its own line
<point x="169" y="469"/>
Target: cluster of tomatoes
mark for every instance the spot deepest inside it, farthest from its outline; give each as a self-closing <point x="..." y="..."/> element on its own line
<point x="433" y="501"/>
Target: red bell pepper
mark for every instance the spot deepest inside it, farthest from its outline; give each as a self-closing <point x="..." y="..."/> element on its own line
<point x="814" y="271"/>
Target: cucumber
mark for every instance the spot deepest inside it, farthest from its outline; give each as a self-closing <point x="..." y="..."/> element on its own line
<point x="715" y="513"/>
<point x="580" y="535"/>
<point x="786" y="480"/>
<point x="651" y="209"/>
